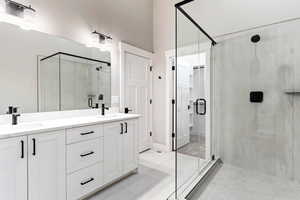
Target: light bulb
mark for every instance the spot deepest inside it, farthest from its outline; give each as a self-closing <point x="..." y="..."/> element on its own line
<point x="2" y="6"/>
<point x="29" y="15"/>
<point x="28" y="19"/>
<point x="95" y="38"/>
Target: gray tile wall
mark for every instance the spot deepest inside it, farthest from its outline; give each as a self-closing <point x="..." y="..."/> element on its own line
<point x="265" y="136"/>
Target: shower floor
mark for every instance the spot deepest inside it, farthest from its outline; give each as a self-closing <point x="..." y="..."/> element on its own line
<point x="232" y="183"/>
<point x="195" y="148"/>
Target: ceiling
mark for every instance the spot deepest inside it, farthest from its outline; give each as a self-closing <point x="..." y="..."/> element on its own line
<point x="219" y="17"/>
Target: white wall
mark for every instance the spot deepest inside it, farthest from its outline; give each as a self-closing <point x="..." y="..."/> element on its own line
<point x="163" y="38"/>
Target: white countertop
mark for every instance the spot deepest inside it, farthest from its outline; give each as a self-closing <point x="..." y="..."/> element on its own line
<point x="22" y="129"/>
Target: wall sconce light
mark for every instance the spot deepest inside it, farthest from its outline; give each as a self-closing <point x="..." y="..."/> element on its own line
<point x="16" y="13"/>
<point x="101" y="41"/>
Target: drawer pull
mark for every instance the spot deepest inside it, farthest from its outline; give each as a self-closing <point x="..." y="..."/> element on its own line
<point x="87" y="154"/>
<point x="87" y="133"/>
<point x="86" y="182"/>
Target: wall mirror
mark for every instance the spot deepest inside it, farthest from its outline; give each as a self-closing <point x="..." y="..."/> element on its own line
<point x="41" y="72"/>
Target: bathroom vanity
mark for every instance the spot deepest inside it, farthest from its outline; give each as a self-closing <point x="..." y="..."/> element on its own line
<point x="66" y="159"/>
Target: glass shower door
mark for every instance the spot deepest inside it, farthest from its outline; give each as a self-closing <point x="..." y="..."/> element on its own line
<point x="192" y="107"/>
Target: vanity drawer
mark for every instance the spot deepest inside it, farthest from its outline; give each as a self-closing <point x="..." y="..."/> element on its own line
<point x="84" y="133"/>
<point x="84" y="154"/>
<point x="85" y="181"/>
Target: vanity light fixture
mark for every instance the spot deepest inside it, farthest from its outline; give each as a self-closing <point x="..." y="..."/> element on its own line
<point x="102" y="37"/>
<point x="101" y="41"/>
<point x="17" y="13"/>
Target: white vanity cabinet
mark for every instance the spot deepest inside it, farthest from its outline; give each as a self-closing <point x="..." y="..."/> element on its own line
<point x="120" y="149"/>
<point x="46" y="166"/>
<point x="13" y="168"/>
<point x="69" y="164"/>
<point x="33" y="166"/>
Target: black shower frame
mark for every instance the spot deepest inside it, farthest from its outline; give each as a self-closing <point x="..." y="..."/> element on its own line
<point x="178" y="7"/>
<point x="76" y="56"/>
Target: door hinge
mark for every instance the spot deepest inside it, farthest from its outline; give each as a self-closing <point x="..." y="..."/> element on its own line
<point x="150" y="133"/>
<point x="150" y="101"/>
<point x="173" y="68"/>
<point x="213" y="157"/>
<point x="151" y="68"/>
<point x="173" y="101"/>
<point x="173" y="135"/>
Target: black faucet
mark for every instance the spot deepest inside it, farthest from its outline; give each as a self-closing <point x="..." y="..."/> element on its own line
<point x="103" y="108"/>
<point x="15" y="118"/>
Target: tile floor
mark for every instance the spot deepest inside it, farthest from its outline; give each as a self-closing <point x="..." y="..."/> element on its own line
<point x="155" y="179"/>
<point x="232" y="183"/>
<point x="196" y="147"/>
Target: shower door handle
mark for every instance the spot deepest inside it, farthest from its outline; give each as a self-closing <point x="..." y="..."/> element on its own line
<point x="200" y="102"/>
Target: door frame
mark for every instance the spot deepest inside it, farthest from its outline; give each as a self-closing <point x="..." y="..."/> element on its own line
<point x="170" y="81"/>
<point x="127" y="48"/>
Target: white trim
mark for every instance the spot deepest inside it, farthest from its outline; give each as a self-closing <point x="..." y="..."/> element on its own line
<point x="126" y="48"/>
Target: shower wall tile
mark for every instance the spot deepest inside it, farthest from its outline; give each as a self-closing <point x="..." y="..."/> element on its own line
<point x="259" y="136"/>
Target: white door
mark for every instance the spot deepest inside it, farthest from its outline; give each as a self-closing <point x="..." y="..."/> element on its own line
<point x="137" y="94"/>
<point x="112" y="151"/>
<point x="129" y="147"/>
<point x="46" y="166"/>
<point x="13" y="169"/>
<point x="184" y="98"/>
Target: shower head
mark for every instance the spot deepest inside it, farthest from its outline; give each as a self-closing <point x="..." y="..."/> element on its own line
<point x="255" y="38"/>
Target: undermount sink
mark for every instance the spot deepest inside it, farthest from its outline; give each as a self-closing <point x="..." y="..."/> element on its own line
<point x="21" y="126"/>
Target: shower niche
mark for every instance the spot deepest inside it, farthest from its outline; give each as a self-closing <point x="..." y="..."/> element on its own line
<point x="73" y="82"/>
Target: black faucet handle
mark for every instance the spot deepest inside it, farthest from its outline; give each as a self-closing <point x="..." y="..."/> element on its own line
<point x="12" y="110"/>
<point x="15" y="109"/>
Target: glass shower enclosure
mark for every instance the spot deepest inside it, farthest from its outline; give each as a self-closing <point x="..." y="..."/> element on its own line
<point x="237" y="100"/>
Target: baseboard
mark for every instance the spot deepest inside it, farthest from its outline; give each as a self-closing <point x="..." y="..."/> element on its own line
<point x="160" y="147"/>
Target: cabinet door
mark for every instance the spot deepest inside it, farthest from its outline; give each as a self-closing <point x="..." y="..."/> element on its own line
<point x="46" y="166"/>
<point x="129" y="147"/>
<point x="112" y="151"/>
<point x="13" y="169"/>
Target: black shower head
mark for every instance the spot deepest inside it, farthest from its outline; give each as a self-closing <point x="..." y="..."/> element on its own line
<point x="255" y="38"/>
